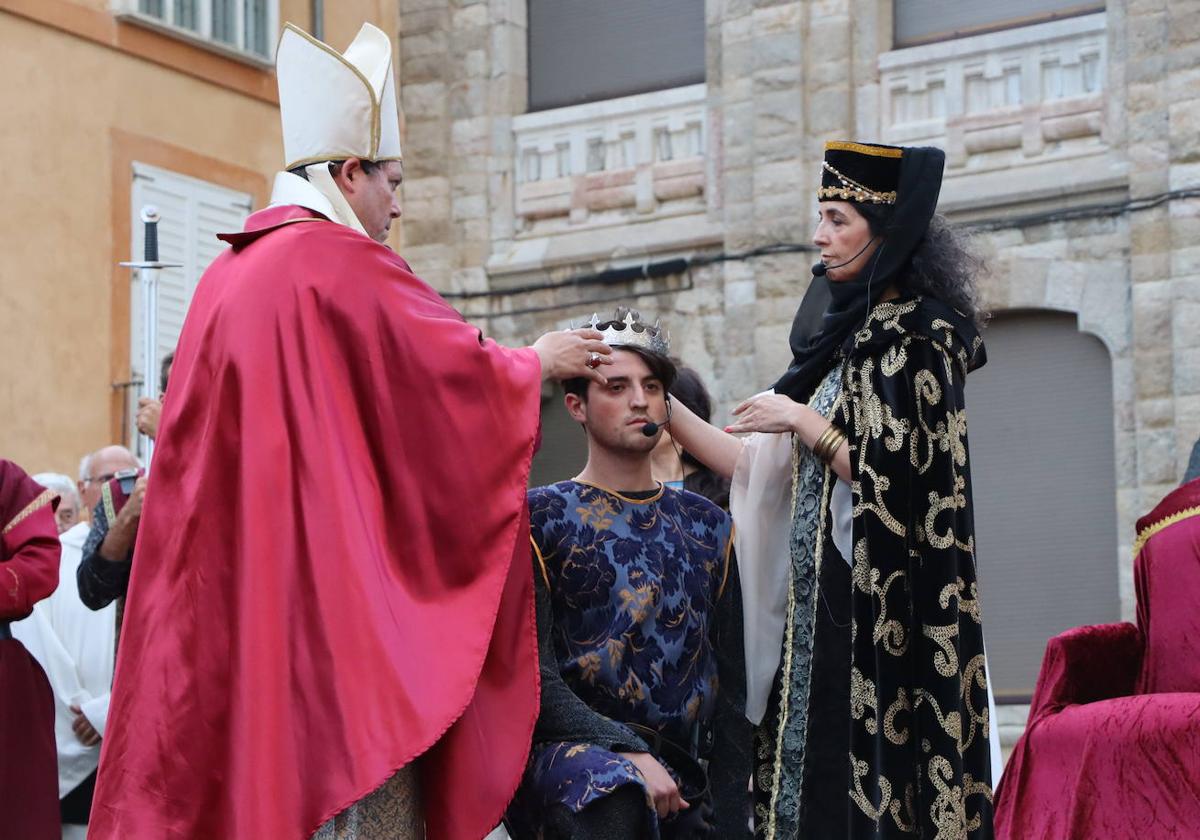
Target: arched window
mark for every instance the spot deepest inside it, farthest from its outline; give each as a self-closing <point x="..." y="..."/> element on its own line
<point x="1040" y="425"/>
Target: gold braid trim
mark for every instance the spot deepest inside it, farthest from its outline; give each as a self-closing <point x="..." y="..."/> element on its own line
<point x="862" y="149"/>
<point x="45" y="498"/>
<point x="1162" y="524"/>
<point x="110" y="508"/>
<point x="537" y="552"/>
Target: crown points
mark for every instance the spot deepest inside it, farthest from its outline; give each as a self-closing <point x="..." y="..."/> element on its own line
<point x="627" y="329"/>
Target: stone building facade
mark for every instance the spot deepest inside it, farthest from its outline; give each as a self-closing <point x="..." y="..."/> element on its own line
<point x="1073" y="154"/>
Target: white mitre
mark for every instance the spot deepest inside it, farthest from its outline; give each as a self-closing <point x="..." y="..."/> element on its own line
<point x="336" y="106"/>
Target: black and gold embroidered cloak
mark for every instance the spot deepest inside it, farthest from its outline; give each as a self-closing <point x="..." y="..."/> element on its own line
<point x="878" y="724"/>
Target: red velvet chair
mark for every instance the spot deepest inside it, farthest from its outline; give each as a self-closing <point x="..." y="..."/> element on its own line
<point x="1112" y="748"/>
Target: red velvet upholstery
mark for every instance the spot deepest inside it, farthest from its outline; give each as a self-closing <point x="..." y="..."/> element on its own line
<point x="1112" y="748"/>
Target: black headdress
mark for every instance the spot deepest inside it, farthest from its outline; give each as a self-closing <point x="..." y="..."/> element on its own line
<point x="908" y="179"/>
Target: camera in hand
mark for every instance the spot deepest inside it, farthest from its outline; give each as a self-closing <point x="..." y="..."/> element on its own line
<point x="126" y="479"/>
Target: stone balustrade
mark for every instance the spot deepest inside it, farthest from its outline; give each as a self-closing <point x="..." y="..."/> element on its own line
<point x="636" y="158"/>
<point x="1002" y="100"/>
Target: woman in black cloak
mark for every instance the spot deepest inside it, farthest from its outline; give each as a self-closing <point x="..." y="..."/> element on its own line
<point x="865" y="665"/>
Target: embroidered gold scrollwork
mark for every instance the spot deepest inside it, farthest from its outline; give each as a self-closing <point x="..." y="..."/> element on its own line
<point x="858" y="770"/>
<point x="943" y="635"/>
<point x="951" y="722"/>
<point x="897" y="735"/>
<point x="862" y="697"/>
<point x="939" y="504"/>
<point x="879" y="484"/>
<point x="974" y="676"/>
<point x="909" y="825"/>
<point x="948" y="812"/>
<point x="968" y="605"/>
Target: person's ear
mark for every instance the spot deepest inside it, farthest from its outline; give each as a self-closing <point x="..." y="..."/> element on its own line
<point x="347" y="174"/>
<point x="576" y="407"/>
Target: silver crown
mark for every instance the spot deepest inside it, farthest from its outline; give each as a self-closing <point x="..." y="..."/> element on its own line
<point x="627" y="329"/>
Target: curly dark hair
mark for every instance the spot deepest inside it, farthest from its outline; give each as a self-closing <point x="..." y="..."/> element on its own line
<point x="943" y="266"/>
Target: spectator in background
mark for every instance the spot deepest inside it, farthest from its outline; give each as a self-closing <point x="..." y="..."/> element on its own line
<point x="150" y="409"/>
<point x="29" y="571"/>
<point x="677" y="467"/>
<point x="103" y="573"/>
<point x="99" y="467"/>
<point x="75" y="646"/>
<point x="69" y="503"/>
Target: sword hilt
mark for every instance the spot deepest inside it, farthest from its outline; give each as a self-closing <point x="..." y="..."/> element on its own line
<point x="150" y="218"/>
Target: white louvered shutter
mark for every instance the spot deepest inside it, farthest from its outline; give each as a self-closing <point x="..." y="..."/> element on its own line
<point x="192" y="213"/>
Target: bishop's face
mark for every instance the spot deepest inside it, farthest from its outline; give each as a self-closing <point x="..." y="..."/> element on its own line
<point x="842" y="232"/>
<point x="373" y="197"/>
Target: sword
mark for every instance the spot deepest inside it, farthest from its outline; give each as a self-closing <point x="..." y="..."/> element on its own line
<point x="145" y="273"/>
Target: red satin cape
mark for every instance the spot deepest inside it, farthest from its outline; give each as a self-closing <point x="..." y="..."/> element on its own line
<point x="331" y="574"/>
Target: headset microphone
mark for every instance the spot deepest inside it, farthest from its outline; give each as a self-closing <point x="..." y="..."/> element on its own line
<point x="651" y="428"/>
<point x="820" y="268"/>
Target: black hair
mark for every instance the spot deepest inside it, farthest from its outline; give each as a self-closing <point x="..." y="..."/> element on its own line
<point x="368" y="166"/>
<point x="661" y="367"/>
<point x="690" y="391"/>
<point x="164" y="370"/>
<point x="942" y="266"/>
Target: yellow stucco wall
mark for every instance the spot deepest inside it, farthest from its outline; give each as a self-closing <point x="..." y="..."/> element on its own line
<point x="77" y="111"/>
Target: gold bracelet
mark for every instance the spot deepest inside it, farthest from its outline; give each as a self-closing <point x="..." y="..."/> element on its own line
<point x="829" y="443"/>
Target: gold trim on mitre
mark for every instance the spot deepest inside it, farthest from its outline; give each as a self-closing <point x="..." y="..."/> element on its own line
<point x="369" y="37"/>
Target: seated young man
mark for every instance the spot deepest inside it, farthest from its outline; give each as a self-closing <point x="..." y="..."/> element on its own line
<point x="637" y="597"/>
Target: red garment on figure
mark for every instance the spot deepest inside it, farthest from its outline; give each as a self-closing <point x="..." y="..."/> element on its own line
<point x="29" y="556"/>
<point x="331" y="574"/>
<point x="1112" y="748"/>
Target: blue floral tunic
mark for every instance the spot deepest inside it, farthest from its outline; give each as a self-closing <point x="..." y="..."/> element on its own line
<point x="633" y="585"/>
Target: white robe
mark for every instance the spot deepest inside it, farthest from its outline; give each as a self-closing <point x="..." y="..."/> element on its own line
<point x="75" y="647"/>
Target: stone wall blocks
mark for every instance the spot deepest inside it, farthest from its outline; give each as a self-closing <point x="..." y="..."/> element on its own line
<point x="469" y="99"/>
<point x="1152" y="307"/>
<point x="782" y="50"/>
<point x="1186" y="365"/>
<point x="468" y="207"/>
<point x="411" y="7"/>
<point x="471" y="136"/>
<point x="1153" y="370"/>
<point x="1064" y="286"/>
<point x="421" y="68"/>
<point x="1150" y="268"/>
<point x="772" y="355"/>
<point x="470" y="15"/>
<point x="432" y="43"/>
<point x="788" y="79"/>
<point x="1104" y="310"/>
<point x="1184" y="25"/>
<point x="740" y="293"/>
<point x="1156" y="458"/>
<point x="1185" y="130"/>
<point x="424" y="21"/>
<point x="425" y="101"/>
<point x="783" y="17"/>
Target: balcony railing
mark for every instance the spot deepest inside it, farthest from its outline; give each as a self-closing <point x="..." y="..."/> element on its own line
<point x="1002" y="100"/>
<point x="637" y="158"/>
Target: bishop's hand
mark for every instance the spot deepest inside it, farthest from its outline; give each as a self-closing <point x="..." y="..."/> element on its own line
<point x="569" y="354"/>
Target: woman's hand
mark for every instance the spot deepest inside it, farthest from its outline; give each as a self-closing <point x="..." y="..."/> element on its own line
<point x="768" y="413"/>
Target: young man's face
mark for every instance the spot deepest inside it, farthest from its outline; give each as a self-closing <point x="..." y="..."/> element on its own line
<point x="615" y="413"/>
